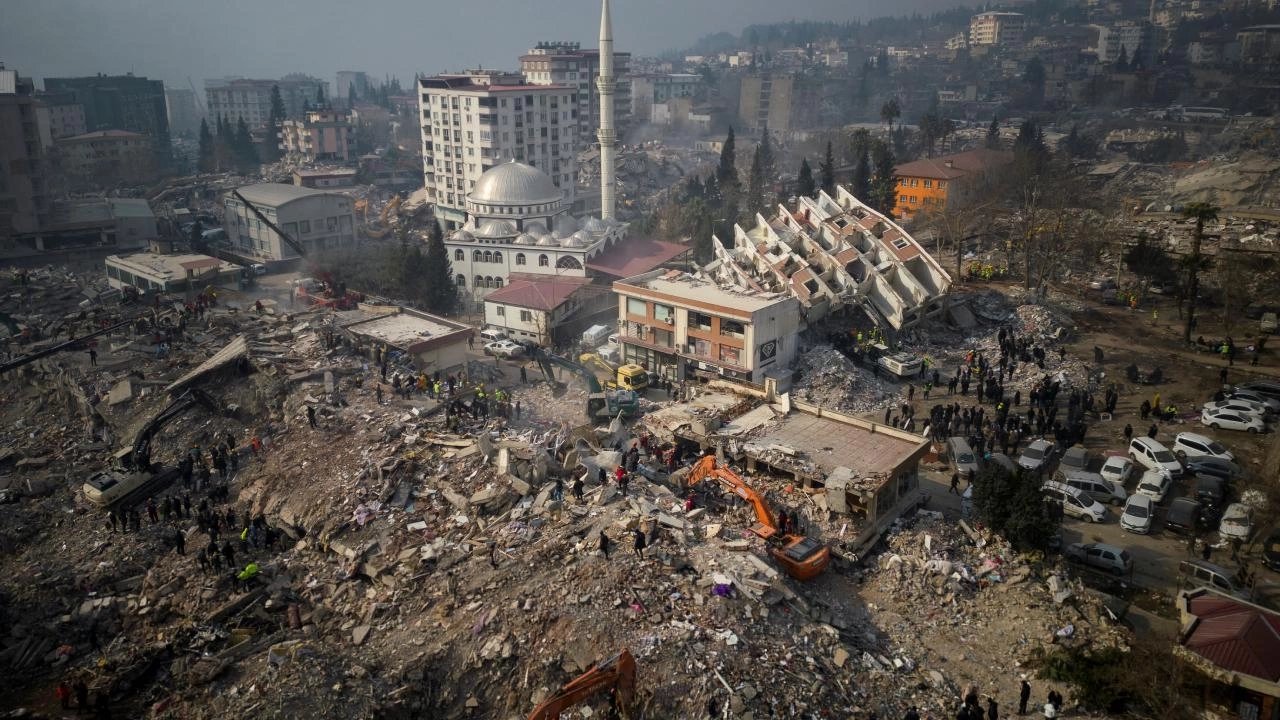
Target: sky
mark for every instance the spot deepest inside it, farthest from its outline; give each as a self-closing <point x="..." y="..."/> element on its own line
<point x="172" y="40"/>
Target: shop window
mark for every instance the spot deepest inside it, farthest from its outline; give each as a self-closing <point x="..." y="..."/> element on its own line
<point x="731" y="355"/>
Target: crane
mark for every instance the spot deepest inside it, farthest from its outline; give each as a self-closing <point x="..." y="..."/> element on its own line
<point x="617" y="673"/>
<point x="599" y="400"/>
<point x="804" y="558"/>
<point x="288" y="239"/>
<point x="133" y="474"/>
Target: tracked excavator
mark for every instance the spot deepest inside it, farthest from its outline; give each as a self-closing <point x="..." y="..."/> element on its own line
<point x="132" y="476"/>
<point x="616" y="674"/>
<point x="601" y="403"/>
<point x="804" y="558"/>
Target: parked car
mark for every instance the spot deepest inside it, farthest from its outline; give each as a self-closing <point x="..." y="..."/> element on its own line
<point x="1074" y="502"/>
<point x="1154" y="456"/>
<point x="1210" y="491"/>
<point x="1075" y="458"/>
<point x="1239" y="407"/>
<point x="504" y="349"/>
<point x="1241" y="393"/>
<point x="1237" y="522"/>
<point x="963" y="457"/>
<point x="1035" y="456"/>
<point x="1118" y="469"/>
<point x="1217" y="467"/>
<point x="1271" y="550"/>
<point x="1201" y="573"/>
<point x="1093" y="485"/>
<point x="1227" y="420"/>
<point x="1137" y="515"/>
<point x="490" y="335"/>
<point x="1194" y="445"/>
<point x="1183" y="516"/>
<point x="1266" y="388"/>
<point x="1155" y="484"/>
<point x="1108" y="558"/>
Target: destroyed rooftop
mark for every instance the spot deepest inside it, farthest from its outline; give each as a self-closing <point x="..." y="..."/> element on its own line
<point x="404" y="328"/>
<point x="682" y="287"/>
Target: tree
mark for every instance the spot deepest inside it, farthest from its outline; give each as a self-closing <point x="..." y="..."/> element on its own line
<point x="275" y="123"/>
<point x="351" y="95"/>
<point x="437" y="277"/>
<point x="1029" y="149"/>
<point x="1078" y="145"/>
<point x="1122" y="62"/>
<point x="768" y="163"/>
<point x="827" y="170"/>
<point x="1033" y="77"/>
<point x="206" y="161"/>
<point x="862" y="173"/>
<point x="1201" y="213"/>
<point x="320" y="101"/>
<point x="246" y="155"/>
<point x="196" y="236"/>
<point x="1013" y="506"/>
<point x="890" y="112"/>
<point x="1149" y="261"/>
<point x="727" y="172"/>
<point x="884" y="183"/>
<point x="755" y="183"/>
<point x="993" y="133"/>
<point x="805" y="184"/>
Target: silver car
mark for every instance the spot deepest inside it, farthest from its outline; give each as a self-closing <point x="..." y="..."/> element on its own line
<point x="1036" y="456"/>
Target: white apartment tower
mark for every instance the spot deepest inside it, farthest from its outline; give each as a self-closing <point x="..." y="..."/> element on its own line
<point x="567" y="63"/>
<point x="999" y="29"/>
<point x="474" y="121"/>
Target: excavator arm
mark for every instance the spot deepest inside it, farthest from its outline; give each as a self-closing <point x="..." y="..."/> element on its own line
<point x="617" y="673"/>
<point x="765" y="527"/>
<point x="140" y="456"/>
<point x="547" y="360"/>
<point x="297" y="246"/>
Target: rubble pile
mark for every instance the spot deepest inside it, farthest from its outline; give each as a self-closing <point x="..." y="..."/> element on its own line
<point x="827" y="377"/>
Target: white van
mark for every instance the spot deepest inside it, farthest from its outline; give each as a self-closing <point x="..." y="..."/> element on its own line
<point x="1074" y="502"/>
<point x="1093" y="485"/>
<point x="1194" y="445"/>
<point x="594" y="335"/>
<point x="489" y="335"/>
<point x="1154" y="456"/>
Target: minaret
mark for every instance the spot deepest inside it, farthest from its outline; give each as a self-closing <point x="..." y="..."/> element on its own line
<point x="605" y="85"/>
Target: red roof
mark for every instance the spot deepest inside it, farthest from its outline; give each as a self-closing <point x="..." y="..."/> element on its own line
<point x="1235" y="636"/>
<point x="634" y="256"/>
<point x="947" y="167"/>
<point x="538" y="294"/>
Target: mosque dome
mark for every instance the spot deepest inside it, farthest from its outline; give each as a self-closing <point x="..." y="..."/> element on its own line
<point x="565" y="226"/>
<point x="535" y="229"/>
<point x="548" y="241"/>
<point x="524" y="239"/>
<point x="515" y="183"/>
<point x="463" y="236"/>
<point x="595" y="225"/>
<point x="496" y="229"/>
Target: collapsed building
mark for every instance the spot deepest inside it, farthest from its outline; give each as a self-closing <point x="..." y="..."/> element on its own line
<point x="834" y="253"/>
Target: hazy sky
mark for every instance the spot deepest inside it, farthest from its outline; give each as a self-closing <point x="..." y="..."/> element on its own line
<point x="173" y="39"/>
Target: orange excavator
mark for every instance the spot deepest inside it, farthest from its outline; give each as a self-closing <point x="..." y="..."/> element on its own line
<point x="617" y="674"/>
<point x="804" y="558"/>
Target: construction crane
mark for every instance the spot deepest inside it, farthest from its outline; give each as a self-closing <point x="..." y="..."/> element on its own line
<point x="297" y="246"/>
<point x="804" y="558"/>
<point x="132" y="475"/>
<point x="600" y="402"/>
<point x="616" y="674"/>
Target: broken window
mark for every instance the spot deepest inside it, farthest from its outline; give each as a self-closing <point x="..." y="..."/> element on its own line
<point x="731" y="355"/>
<point x="732" y="328"/>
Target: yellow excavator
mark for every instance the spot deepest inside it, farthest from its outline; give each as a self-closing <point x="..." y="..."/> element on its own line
<point x="383" y="226"/>
<point x="625" y="377"/>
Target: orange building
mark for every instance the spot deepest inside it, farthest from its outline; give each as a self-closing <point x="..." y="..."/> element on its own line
<point x="929" y="184"/>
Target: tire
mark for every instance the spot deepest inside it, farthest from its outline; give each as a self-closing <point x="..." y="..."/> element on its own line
<point x="1253" y="431"/>
<point x="1088" y="519"/>
<point x="1215" y="426"/>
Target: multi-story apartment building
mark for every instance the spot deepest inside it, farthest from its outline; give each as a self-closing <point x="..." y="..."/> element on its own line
<point x="106" y="158"/>
<point x="681" y="326"/>
<point x="1260" y="45"/>
<point x="317" y="219"/>
<point x="63" y="115"/>
<point x="1134" y="37"/>
<point x="121" y="102"/>
<point x="930" y="184"/>
<point x="251" y="99"/>
<point x="766" y="100"/>
<point x="24" y="198"/>
<point x="474" y="121"/>
<point x="997" y="29"/>
<point x="348" y="80"/>
<point x="184" y="118"/>
<point x="566" y="63"/>
<point x="324" y="135"/>
<point x="656" y="89"/>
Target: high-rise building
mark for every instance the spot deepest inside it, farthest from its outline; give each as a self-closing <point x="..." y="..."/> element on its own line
<point x="65" y="115"/>
<point x="121" y="102"/>
<point x="566" y="63"/>
<point x="325" y="135"/>
<point x="251" y="99"/>
<point x="348" y="79"/>
<point x="766" y="100"/>
<point x="184" y="117"/>
<point x="24" y="199"/>
<point x="999" y="29"/>
<point x="657" y="88"/>
<point x="476" y="120"/>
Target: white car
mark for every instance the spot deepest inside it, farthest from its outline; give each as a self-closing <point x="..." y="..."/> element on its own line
<point x="504" y="349"/>
<point x="1118" y="469"/>
<point x="1155" y="484"/>
<point x="1194" y="445"/>
<point x="1138" y="511"/>
<point x="1237" y="522"/>
<point x="1240" y="407"/>
<point x="1240" y="393"/>
<point x="1227" y="420"/>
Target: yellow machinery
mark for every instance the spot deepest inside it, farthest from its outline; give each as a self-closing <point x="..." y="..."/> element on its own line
<point x="627" y="377"/>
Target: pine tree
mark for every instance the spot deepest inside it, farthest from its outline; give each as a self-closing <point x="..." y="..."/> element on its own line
<point x="245" y="152"/>
<point x="993" y="134"/>
<point x="768" y="163"/>
<point x="437" y="276"/>
<point x="196" y="236"/>
<point x="205" y="161"/>
<point x="351" y="95"/>
<point x="884" y="183"/>
<point x="711" y="192"/>
<point x="862" y="174"/>
<point x="320" y="101"/>
<point x="727" y="172"/>
<point x="1122" y="62"/>
<point x="827" y="171"/>
<point x="755" y="183"/>
<point x="805" y="184"/>
<point x="1030" y="146"/>
<point x="274" y="124"/>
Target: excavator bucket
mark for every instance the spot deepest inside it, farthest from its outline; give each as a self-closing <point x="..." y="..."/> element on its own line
<point x="616" y="674"/>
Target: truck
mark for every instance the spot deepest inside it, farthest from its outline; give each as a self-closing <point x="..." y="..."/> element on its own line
<point x="621" y="377"/>
<point x="595" y="335"/>
<point x="601" y="402"/>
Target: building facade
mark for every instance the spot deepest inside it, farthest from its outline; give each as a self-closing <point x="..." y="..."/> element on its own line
<point x="929" y="184"/>
<point x="349" y="80"/>
<point x="1260" y="45"/>
<point x="766" y="100"/>
<point x="1135" y="38"/>
<point x="106" y="158"/>
<point x="65" y="116"/>
<point x="566" y="63"/>
<point x="119" y="102"/>
<point x="997" y="29"/>
<point x="184" y="118"/>
<point x="517" y="222"/>
<point x="681" y="326"/>
<point x="168" y="273"/>
<point x="316" y="219"/>
<point x="473" y="122"/>
<point x="24" y="193"/>
<point x="324" y="135"/>
<point x="650" y="90"/>
<point x="533" y="308"/>
<point x="251" y="99"/>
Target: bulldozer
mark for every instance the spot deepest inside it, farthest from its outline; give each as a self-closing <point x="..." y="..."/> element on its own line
<point x="804" y="558"/>
<point x="616" y="674"/>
